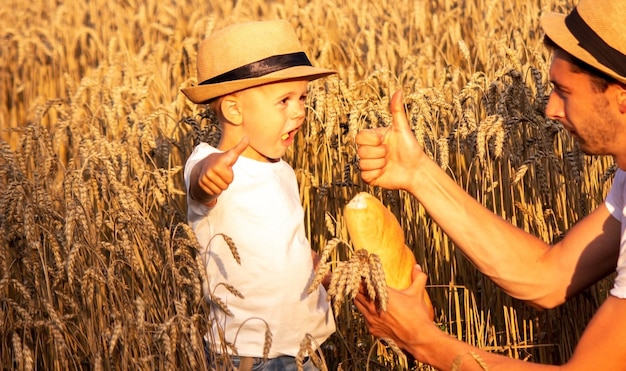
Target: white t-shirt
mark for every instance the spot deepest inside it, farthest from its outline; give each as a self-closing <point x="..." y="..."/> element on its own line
<point x="262" y="213"/>
<point x="615" y="202"/>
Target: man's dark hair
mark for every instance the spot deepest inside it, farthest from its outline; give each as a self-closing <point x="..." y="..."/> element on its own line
<point x="599" y="80"/>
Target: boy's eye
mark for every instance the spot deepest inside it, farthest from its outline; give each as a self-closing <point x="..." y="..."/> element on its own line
<point x="301" y="98"/>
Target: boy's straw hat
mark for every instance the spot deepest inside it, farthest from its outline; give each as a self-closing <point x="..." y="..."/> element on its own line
<point x="249" y="54"/>
<point x="594" y="32"/>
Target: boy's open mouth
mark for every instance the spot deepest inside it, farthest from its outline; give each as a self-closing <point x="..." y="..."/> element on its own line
<point x="289" y="134"/>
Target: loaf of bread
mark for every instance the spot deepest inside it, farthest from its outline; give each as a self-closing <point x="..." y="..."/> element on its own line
<point x="373" y="227"/>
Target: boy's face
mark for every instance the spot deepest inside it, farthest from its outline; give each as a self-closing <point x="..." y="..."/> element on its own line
<point x="272" y="114"/>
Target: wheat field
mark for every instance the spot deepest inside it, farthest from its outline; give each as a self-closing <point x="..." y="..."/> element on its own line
<point x="98" y="268"/>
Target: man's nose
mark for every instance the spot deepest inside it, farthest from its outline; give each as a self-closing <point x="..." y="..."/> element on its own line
<point x="554" y="108"/>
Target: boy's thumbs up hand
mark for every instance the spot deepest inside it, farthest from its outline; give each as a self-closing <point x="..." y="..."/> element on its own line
<point x="217" y="172"/>
<point x="231" y="156"/>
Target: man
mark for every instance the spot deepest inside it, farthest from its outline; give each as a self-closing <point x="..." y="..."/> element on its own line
<point x="588" y="71"/>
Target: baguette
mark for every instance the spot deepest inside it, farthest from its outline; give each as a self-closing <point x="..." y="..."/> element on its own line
<point x="373" y="227"/>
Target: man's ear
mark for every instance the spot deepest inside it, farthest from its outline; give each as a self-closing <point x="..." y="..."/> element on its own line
<point x="231" y="110"/>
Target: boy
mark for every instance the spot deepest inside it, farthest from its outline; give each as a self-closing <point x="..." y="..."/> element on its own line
<point x="255" y="76"/>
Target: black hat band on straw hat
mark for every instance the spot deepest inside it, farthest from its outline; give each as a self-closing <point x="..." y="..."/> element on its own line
<point x="261" y="68"/>
<point x="589" y="40"/>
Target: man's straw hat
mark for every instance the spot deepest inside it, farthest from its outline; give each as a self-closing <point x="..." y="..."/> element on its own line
<point x="594" y="32"/>
<point x="249" y="54"/>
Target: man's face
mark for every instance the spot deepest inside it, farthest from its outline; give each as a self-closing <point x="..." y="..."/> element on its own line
<point x="589" y="115"/>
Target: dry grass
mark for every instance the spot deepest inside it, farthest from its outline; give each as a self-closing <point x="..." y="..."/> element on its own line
<point x="98" y="269"/>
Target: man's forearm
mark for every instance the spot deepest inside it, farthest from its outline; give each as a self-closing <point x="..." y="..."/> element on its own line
<point x="512" y="258"/>
<point x="447" y="353"/>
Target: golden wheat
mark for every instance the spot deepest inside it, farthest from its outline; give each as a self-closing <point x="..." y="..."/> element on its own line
<point x="98" y="268"/>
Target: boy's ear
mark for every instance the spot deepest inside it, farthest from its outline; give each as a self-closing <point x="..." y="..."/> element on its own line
<point x="231" y="110"/>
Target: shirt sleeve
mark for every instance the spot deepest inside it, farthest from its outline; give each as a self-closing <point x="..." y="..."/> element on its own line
<point x="615" y="204"/>
<point x="196" y="209"/>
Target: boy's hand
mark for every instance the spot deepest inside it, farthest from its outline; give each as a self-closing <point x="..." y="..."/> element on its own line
<point x="216" y="173"/>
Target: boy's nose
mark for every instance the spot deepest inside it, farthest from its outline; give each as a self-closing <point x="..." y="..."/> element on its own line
<point x="299" y="112"/>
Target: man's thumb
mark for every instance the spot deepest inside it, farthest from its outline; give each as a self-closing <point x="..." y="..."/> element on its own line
<point x="418" y="278"/>
<point x="400" y="121"/>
